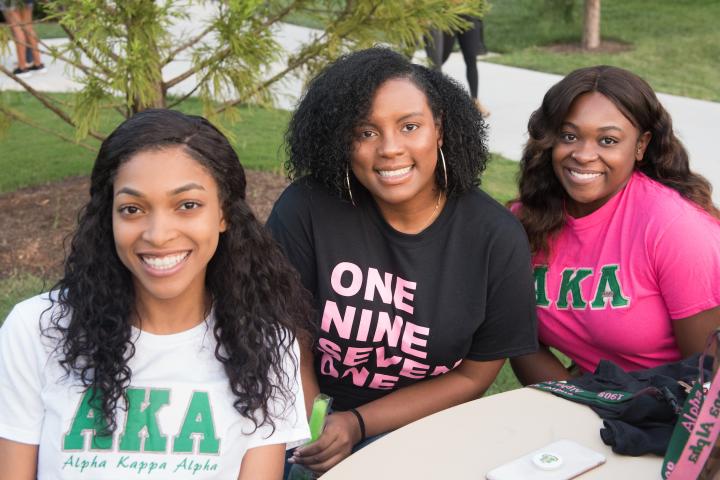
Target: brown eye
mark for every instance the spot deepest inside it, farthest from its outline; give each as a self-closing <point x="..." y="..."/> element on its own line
<point x="189" y="205"/>
<point x="129" y="210"/>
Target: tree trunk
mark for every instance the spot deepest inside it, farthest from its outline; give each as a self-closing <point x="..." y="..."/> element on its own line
<point x="146" y="85"/>
<point x="591" y="25"/>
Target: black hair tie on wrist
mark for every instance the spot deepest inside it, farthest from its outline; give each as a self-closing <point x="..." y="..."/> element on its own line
<point x="361" y="422"/>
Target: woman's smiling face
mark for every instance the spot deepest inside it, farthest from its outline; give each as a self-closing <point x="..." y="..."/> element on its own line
<point x="395" y="150"/>
<point x="595" y="153"/>
<point x="167" y="220"/>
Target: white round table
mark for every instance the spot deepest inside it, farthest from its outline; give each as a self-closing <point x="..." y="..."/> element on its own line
<point x="469" y="440"/>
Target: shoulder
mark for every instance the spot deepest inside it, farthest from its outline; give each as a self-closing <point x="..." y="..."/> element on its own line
<point x="33" y="313"/>
<point x="664" y="208"/>
<point x="660" y="200"/>
<point x="300" y="200"/>
<point x="26" y="323"/>
<point x="481" y="209"/>
<point x="301" y="192"/>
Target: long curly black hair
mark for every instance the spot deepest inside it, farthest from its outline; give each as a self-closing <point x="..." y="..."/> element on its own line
<point x="665" y="160"/>
<point x="320" y="134"/>
<point x="257" y="298"/>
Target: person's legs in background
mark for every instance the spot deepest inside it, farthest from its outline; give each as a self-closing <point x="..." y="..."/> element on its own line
<point x="434" y="49"/>
<point x="11" y="11"/>
<point x="26" y="12"/>
<point x="469" y="41"/>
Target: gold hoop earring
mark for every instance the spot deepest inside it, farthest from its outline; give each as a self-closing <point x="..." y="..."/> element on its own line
<point x="347" y="184"/>
<point x="444" y="166"/>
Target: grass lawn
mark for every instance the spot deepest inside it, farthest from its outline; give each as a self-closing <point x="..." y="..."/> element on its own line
<point x="674" y="44"/>
<point x="28" y="157"/>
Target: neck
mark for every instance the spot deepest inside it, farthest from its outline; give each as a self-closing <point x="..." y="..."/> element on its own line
<point x="414" y="217"/>
<point x="168" y="316"/>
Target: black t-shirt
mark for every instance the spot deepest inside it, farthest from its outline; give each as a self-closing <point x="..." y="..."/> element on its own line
<point x="395" y="308"/>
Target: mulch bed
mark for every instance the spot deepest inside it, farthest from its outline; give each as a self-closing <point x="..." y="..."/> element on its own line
<point x="35" y="222"/>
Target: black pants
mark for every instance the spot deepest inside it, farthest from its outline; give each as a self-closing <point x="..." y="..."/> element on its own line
<point x="439" y="46"/>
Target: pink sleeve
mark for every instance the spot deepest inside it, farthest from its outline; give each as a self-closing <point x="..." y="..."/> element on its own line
<point x="687" y="264"/>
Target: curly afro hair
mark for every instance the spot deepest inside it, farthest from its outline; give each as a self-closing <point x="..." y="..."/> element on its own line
<point x="320" y="134"/>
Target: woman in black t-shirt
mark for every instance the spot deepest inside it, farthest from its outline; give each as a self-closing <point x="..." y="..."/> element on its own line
<point x="421" y="282"/>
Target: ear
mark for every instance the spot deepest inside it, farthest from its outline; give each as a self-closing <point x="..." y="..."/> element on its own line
<point x="642" y="145"/>
<point x="223" y="224"/>
<point x="439" y="134"/>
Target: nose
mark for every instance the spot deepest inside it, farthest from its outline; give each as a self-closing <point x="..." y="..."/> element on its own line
<point x="584" y="152"/>
<point x="159" y="229"/>
<point x="390" y="145"/>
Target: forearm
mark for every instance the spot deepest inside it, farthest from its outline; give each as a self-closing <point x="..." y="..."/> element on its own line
<point x="539" y="367"/>
<point x="467" y="382"/>
<point x="307" y="374"/>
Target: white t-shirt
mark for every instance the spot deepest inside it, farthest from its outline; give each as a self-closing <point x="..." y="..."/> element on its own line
<point x="181" y="422"/>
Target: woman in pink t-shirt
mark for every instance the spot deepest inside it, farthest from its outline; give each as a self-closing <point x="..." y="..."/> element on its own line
<point x="625" y="238"/>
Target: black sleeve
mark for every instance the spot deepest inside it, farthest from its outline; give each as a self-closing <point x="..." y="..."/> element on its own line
<point x="510" y="326"/>
<point x="290" y="223"/>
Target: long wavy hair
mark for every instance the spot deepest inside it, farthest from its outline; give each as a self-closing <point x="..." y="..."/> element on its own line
<point x="666" y="161"/>
<point x="319" y="139"/>
<point x="257" y="297"/>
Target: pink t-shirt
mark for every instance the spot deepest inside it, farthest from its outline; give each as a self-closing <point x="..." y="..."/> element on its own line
<point x="620" y="276"/>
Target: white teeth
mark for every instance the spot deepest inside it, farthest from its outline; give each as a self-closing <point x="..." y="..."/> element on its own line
<point x="394" y="173"/>
<point x="584" y="176"/>
<point x="164" y="263"/>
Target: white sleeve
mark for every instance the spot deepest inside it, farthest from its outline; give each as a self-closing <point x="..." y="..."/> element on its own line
<point x="21" y="364"/>
<point x="291" y="426"/>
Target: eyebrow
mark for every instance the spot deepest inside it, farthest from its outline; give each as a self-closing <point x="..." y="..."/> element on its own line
<point x="367" y="122"/>
<point x="177" y="191"/>
<point x="602" y="129"/>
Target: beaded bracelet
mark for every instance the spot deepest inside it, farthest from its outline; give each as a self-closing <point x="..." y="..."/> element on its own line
<point x="361" y="422"/>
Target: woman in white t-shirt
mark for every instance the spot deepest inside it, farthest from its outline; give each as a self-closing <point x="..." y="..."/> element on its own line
<point x="168" y="347"/>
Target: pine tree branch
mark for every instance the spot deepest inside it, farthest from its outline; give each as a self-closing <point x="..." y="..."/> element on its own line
<point x="26" y="121"/>
<point x="42" y="98"/>
<point x="217" y="57"/>
<point x="291" y="66"/>
<point x="173" y="53"/>
<point x="89" y="71"/>
<point x="187" y="95"/>
<point x="89" y="54"/>
<point x="226" y="51"/>
<point x="301" y="60"/>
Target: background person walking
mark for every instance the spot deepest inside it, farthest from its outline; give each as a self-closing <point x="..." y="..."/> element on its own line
<point x="18" y="14"/>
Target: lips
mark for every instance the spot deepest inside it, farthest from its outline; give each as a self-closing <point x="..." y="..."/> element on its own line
<point x="398" y="172"/>
<point x="582" y="176"/>
<point x="164" y="263"/>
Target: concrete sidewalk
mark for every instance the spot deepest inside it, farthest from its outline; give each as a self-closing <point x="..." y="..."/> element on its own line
<point x="511" y="94"/>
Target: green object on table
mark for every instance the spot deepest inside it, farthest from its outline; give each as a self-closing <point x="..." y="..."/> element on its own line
<point x="321" y="406"/>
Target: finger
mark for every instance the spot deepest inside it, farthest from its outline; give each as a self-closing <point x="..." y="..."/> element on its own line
<point x="319" y="457"/>
<point x="323" y="467"/>
<point x="325" y="440"/>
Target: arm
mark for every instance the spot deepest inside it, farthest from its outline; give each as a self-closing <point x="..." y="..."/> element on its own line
<point x="307" y="374"/>
<point x="265" y="462"/>
<point x="539" y="367"/>
<point x="691" y="333"/>
<point x="18" y="460"/>
<point x="467" y="382"/>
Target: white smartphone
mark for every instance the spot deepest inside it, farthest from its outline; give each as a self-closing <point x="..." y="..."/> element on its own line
<point x="559" y="460"/>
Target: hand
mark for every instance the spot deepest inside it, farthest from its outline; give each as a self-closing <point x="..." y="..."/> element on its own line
<point x="341" y="433"/>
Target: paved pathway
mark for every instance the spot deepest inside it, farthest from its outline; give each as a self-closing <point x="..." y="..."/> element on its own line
<point x="510" y="93"/>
